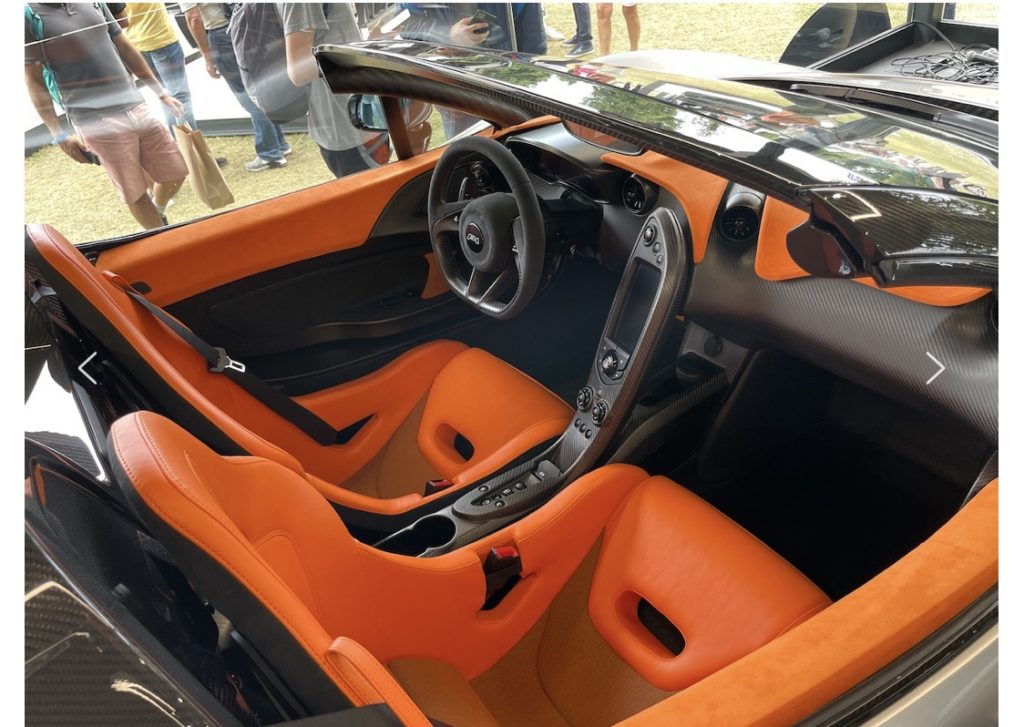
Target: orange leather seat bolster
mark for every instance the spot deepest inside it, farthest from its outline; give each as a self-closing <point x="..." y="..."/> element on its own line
<point x="814" y="663"/>
<point x="722" y="588"/>
<point x="374" y="684"/>
<point x="276" y="535"/>
<point x="500" y="410"/>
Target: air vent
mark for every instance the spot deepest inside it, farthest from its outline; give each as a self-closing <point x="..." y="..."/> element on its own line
<point x="741" y="218"/>
<point x="638" y="195"/>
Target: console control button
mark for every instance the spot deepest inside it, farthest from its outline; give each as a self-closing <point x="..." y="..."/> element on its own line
<point x="610" y="363"/>
<point x="584" y="399"/>
<point x="499" y="503"/>
<point x="600" y="411"/>
<point x="649" y="234"/>
<point x="520" y="485"/>
<point x="507" y="491"/>
<point x="657" y="247"/>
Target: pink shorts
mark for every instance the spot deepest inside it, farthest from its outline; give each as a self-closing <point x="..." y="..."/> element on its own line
<point x="131" y="144"/>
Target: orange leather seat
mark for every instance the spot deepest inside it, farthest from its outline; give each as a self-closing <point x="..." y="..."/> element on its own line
<point x="569" y="644"/>
<point x="415" y="406"/>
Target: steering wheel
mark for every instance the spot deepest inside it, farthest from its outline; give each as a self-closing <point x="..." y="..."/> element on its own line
<point x="489" y="249"/>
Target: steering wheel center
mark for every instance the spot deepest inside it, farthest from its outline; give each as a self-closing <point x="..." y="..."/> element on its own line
<point x="485" y="232"/>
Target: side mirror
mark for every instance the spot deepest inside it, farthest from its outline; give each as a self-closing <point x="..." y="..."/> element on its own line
<point x="833" y="28"/>
<point x="367" y="113"/>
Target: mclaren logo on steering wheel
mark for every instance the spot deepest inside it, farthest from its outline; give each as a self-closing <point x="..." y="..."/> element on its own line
<point x="474" y="237"/>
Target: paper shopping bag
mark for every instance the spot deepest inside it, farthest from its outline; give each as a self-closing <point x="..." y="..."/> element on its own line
<point x="203" y="173"/>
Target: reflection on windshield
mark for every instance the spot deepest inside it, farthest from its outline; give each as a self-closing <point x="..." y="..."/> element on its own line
<point x="805" y="140"/>
<point x="840" y="144"/>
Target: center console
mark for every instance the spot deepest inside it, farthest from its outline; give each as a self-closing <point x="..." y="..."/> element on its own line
<point x="652" y="289"/>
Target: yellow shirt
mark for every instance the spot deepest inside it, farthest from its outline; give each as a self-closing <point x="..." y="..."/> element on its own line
<point x="149" y="26"/>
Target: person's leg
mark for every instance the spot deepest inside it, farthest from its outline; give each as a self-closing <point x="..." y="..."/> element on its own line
<point x="604" y="28"/>
<point x="170" y="64"/>
<point x="265" y="135"/>
<point x="113" y="139"/>
<point x="343" y="162"/>
<point x="159" y="155"/>
<point x="631" y="12"/>
<point x="146" y="213"/>
<point x="151" y="62"/>
<point x="581" y="12"/>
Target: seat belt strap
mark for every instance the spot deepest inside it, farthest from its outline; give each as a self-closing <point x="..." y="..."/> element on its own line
<point x="219" y="362"/>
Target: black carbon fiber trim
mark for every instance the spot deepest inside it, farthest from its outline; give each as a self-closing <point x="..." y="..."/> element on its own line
<point x="869" y="336"/>
<point x="68" y="446"/>
<point x="79" y="670"/>
<point x="644" y="421"/>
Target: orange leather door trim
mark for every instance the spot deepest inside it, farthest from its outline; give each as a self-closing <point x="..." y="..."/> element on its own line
<point x="337" y="215"/>
<point x="699" y="192"/>
<point x="726" y="591"/>
<point x="788" y="679"/>
<point x="772" y="260"/>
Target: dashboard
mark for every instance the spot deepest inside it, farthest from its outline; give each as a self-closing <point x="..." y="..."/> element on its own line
<point x="744" y="285"/>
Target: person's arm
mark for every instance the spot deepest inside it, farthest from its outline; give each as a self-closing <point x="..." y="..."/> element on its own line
<point x="135" y="63"/>
<point x="43" y="104"/>
<point x="194" y="19"/>
<point x="298" y="46"/>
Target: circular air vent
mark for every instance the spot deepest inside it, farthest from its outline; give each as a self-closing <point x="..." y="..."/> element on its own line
<point x="638" y="195"/>
<point x="741" y="218"/>
<point x="739" y="224"/>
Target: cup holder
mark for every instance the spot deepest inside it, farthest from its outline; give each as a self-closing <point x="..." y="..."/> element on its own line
<point x="430" y="532"/>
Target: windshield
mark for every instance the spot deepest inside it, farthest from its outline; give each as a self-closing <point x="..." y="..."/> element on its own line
<point x="831" y="142"/>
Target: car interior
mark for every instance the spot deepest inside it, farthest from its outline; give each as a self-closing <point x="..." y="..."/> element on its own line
<point x="537" y="428"/>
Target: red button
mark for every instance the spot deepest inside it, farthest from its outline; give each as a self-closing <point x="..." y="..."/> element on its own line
<point x="505" y="552"/>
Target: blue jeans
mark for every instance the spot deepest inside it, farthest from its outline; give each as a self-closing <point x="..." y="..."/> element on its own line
<point x="168" y="65"/>
<point x="581" y="13"/>
<point x="270" y="142"/>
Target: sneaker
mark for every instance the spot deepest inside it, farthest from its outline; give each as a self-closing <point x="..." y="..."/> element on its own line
<point x="552" y="34"/>
<point x="258" y="164"/>
<point x="581" y="50"/>
<point x="570" y="42"/>
<point x="221" y="161"/>
<point x="287" y="149"/>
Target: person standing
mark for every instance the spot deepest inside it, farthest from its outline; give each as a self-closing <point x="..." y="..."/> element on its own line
<point x="582" y="41"/>
<point x="151" y="31"/>
<point x="307" y="25"/>
<point x="91" y="63"/>
<point x="208" y="23"/>
<point x="630" y="13"/>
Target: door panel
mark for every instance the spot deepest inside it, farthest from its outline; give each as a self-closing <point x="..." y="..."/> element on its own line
<point x="191" y="259"/>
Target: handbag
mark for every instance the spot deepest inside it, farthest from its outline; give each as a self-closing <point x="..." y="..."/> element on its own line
<point x="203" y="173"/>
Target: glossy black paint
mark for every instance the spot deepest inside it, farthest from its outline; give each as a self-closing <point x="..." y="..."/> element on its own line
<point x="774" y="140"/>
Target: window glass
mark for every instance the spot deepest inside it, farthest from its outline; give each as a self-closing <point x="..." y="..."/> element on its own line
<point x="119" y="88"/>
<point x="975" y="13"/>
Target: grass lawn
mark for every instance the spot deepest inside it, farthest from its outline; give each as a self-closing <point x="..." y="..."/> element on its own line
<point x="79" y="200"/>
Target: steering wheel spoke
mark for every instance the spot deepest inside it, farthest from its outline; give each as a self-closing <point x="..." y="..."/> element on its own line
<point x="490" y="249"/>
<point x="448" y="216"/>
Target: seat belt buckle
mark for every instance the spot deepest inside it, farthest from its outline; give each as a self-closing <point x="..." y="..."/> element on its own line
<point x="434" y="486"/>
<point x="502" y="570"/>
<point x="226" y="362"/>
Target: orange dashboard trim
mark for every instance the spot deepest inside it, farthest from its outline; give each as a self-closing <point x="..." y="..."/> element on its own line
<point x="699" y="192"/>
